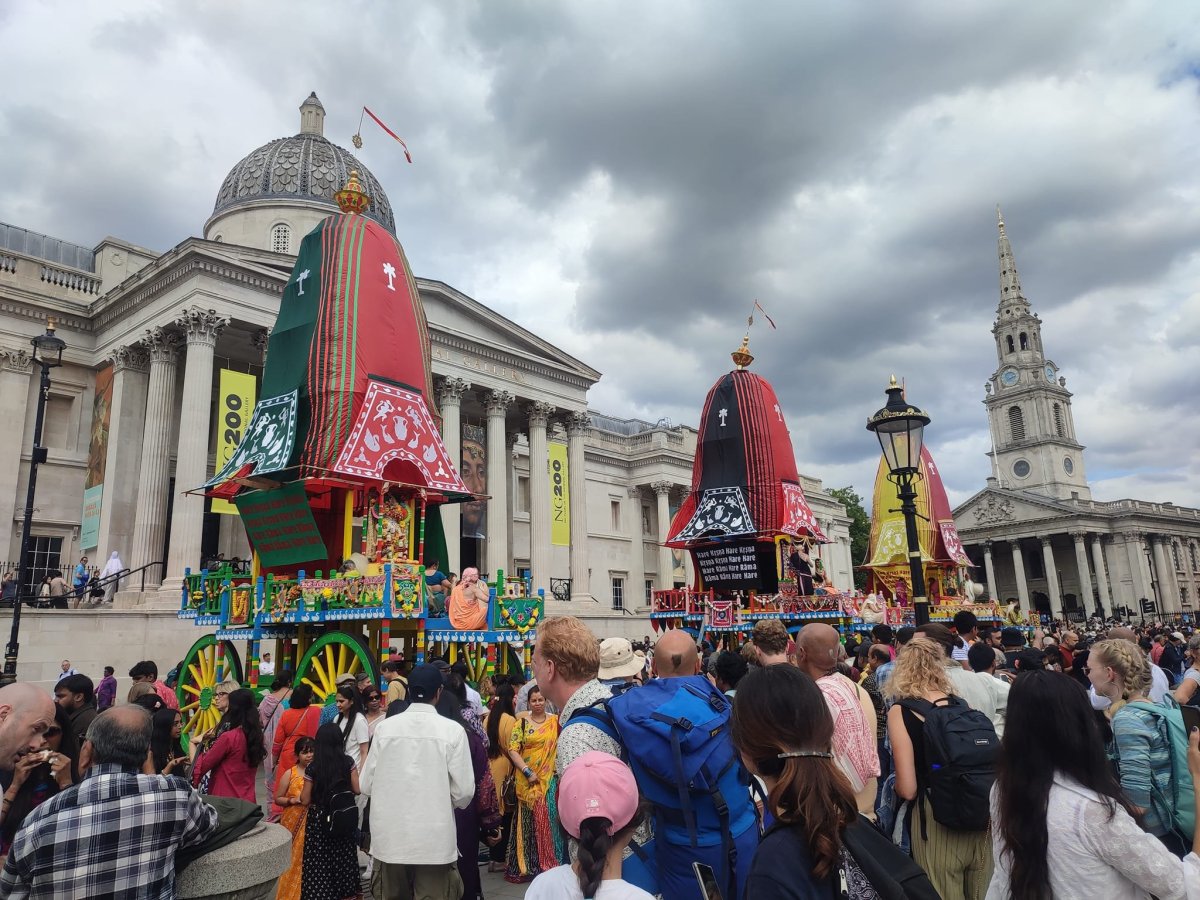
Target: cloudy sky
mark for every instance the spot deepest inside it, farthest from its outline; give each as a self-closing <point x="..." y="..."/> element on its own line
<point x="625" y="178"/>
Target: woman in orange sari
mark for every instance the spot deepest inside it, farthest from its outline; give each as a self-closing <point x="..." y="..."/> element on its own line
<point x="469" y="602"/>
<point x="301" y="720"/>
<point x="295" y="814"/>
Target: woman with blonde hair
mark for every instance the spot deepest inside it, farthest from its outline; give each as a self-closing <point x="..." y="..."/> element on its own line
<point x="958" y="862"/>
<point x="1119" y="670"/>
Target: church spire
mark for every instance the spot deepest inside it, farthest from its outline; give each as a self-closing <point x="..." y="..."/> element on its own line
<point x="1010" y="281"/>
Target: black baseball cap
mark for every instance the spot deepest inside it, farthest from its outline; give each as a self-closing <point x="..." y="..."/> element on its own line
<point x="423" y="683"/>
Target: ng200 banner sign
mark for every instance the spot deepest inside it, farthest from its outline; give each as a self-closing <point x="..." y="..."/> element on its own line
<point x="238" y="392"/>
<point x="560" y="497"/>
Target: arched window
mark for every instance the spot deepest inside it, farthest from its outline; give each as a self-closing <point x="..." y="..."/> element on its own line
<point x="1195" y="561"/>
<point x="1011" y="348"/>
<point x="1016" y="423"/>
<point x="1058" y="421"/>
<point x="1024" y="341"/>
<point x="281" y="239"/>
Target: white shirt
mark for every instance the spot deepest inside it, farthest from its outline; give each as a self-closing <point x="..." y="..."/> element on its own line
<point x="418" y="761"/>
<point x="978" y="695"/>
<point x="359" y="734"/>
<point x="1093" y="858"/>
<point x="475" y="702"/>
<point x="999" y="689"/>
<point x="563" y="884"/>
<point x="266" y="667"/>
<point x="1158" y="689"/>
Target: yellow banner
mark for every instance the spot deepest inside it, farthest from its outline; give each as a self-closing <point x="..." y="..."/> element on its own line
<point x="560" y="497"/>
<point x="238" y="391"/>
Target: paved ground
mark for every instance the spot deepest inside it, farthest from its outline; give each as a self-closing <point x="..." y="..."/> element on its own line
<point x="496" y="888"/>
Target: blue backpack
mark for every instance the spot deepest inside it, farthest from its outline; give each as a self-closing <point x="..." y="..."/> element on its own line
<point x="675" y="735"/>
<point x="1178" y="809"/>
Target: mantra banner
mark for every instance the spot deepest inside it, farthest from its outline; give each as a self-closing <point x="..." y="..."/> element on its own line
<point x="236" y="394"/>
<point x="560" y="496"/>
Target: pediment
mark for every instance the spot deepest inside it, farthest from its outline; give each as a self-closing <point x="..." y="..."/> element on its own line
<point x="454" y="313"/>
<point x="992" y="507"/>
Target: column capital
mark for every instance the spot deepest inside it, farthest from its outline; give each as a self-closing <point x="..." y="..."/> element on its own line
<point x="1045" y="539"/>
<point x="1131" y="536"/>
<point x="131" y="357"/>
<point x="161" y="344"/>
<point x="635" y="491"/>
<point x="662" y="487"/>
<point x="202" y="326"/>
<point x="1079" y="536"/>
<point x="539" y="412"/>
<point x="988" y="544"/>
<point x="260" y="339"/>
<point x="450" y="391"/>
<point x="1156" y="539"/>
<point x="19" y="361"/>
<point x="498" y="402"/>
<point x="578" y="423"/>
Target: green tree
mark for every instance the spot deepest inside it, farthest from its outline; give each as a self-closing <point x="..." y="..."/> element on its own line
<point x="860" y="529"/>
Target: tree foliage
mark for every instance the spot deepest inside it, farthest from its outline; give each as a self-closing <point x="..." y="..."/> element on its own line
<point x="860" y="529"/>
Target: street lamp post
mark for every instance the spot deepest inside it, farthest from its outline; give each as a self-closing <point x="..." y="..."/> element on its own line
<point x="900" y="427"/>
<point x="47" y="353"/>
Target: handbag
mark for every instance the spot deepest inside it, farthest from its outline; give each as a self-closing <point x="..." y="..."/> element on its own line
<point x="873" y="867"/>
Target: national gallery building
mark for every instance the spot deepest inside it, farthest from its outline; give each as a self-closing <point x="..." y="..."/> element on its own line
<point x="165" y="353"/>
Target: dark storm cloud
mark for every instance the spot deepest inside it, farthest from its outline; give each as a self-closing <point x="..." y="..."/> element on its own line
<point x="624" y="179"/>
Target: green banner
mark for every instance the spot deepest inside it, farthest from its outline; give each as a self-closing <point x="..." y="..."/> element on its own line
<point x="89" y="531"/>
<point x="280" y="526"/>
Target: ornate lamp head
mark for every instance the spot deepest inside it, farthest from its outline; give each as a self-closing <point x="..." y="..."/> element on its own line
<point x="352" y="198"/>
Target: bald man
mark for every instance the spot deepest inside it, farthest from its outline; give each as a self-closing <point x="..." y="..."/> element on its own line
<point x="25" y="714"/>
<point x="675" y="655"/>
<point x="855" y="745"/>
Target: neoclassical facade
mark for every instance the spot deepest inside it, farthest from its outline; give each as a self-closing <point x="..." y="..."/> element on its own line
<point x="134" y="418"/>
<point x="1034" y="531"/>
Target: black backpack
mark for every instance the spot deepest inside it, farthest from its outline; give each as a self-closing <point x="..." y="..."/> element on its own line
<point x="960" y="752"/>
<point x="340" y="815"/>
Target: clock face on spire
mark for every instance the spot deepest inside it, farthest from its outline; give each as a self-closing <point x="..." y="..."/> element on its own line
<point x="1050" y="374"/>
<point x="1009" y="377"/>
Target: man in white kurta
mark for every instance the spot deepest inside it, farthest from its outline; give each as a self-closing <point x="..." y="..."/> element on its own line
<point x="417" y="773"/>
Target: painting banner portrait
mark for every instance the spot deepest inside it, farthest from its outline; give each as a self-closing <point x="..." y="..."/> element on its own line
<point x="560" y="496"/>
<point x="93" y="484"/>
<point x="236" y="394"/>
<point x="474" y="475"/>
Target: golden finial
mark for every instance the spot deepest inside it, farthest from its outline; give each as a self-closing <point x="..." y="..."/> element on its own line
<point x="741" y="356"/>
<point x="352" y="198"/>
<point x="893" y="383"/>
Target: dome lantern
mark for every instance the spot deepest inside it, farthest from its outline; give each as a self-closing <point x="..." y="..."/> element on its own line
<point x="312" y="116"/>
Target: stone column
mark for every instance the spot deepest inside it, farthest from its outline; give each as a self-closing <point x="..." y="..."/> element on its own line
<point x="1166" y="576"/>
<point x="1081" y="563"/>
<point x="497" y="469"/>
<point x="637" y="550"/>
<point x="154" y="476"/>
<point x="201" y="327"/>
<point x="1141" y="587"/>
<point x="663" y="490"/>
<point x="16" y="366"/>
<point x="990" y="572"/>
<point x="1101" y="579"/>
<point x="450" y="394"/>
<point x="1019" y="570"/>
<point x="131" y="375"/>
<point x="1056" y="607"/>
<point x="539" y="495"/>
<point x="578" y="425"/>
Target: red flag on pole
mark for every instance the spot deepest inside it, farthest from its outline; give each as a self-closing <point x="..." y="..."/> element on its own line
<point x="379" y="122"/>
<point x="771" y="321"/>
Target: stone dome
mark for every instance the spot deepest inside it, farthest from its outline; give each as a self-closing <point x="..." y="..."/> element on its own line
<point x="306" y="167"/>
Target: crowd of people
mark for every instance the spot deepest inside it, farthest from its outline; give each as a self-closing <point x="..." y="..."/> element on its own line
<point x="963" y="762"/>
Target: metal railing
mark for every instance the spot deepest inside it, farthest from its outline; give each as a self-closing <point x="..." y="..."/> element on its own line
<point x="95" y="583"/>
<point x="560" y="588"/>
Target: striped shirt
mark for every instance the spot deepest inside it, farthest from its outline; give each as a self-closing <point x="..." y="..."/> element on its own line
<point x="1144" y="760"/>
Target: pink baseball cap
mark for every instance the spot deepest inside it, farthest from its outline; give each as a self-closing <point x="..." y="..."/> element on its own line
<point x="597" y="785"/>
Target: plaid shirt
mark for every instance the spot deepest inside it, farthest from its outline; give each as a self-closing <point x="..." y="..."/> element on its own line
<point x="112" y="835"/>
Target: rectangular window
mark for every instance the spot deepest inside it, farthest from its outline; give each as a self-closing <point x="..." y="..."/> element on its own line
<point x="615" y="505"/>
<point x="522" y="494"/>
<point x="649" y="591"/>
<point x="44" y="555"/>
<point x="618" y="593"/>
<point x="56" y="429"/>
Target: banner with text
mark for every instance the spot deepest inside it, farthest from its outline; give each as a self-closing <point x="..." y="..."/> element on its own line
<point x="89" y="532"/>
<point x="236" y="394"/>
<point x="749" y="565"/>
<point x="281" y="526"/>
<point x="560" y="497"/>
